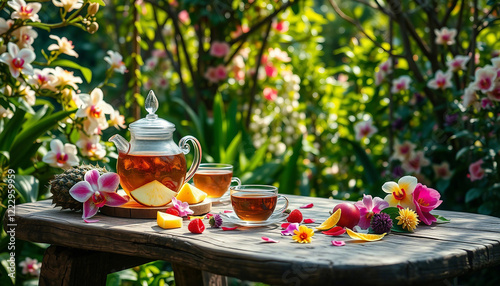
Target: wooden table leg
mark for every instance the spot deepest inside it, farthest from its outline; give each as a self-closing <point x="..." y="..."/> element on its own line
<point x="74" y="267"/>
<point x="186" y="276"/>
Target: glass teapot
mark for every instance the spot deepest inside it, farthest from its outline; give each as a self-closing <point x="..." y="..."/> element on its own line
<point x="152" y="154"/>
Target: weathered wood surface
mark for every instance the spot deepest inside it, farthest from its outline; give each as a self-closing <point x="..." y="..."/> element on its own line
<point x="133" y="209"/>
<point x="470" y="242"/>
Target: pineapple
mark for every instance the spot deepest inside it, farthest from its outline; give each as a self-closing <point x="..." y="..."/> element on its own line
<point x="62" y="183"/>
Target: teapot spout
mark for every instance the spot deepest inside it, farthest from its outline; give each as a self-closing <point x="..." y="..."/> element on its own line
<point x="121" y="143"/>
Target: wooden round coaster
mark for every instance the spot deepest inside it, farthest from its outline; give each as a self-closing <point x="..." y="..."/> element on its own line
<point x="132" y="209"/>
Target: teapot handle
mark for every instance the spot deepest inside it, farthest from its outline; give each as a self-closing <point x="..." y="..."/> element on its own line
<point x="183" y="144"/>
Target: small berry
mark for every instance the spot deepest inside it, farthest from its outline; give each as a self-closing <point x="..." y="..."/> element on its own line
<point x="196" y="226"/>
<point x="172" y="211"/>
<point x="295" y="217"/>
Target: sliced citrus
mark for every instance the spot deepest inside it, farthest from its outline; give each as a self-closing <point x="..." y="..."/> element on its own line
<point x="191" y="194"/>
<point x="331" y="221"/>
<point x="153" y="194"/>
<point x="364" y="236"/>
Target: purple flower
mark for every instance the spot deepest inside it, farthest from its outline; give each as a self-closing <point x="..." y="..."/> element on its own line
<point x="290" y="229"/>
<point x="367" y="208"/>
<point x="97" y="191"/>
<point x="182" y="207"/>
<point x="381" y="223"/>
<point x="425" y="200"/>
<point x="215" y="221"/>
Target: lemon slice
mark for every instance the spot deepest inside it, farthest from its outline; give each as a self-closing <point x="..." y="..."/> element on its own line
<point x="331" y="221"/>
<point x="364" y="236"/>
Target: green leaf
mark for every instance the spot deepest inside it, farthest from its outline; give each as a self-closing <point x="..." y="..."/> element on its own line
<point x="257" y="158"/>
<point x="194" y="118"/>
<point x="473" y="194"/>
<point x="464" y="151"/>
<point x="232" y="150"/>
<point x="370" y="172"/>
<point x="100" y="2"/>
<point x="87" y="73"/>
<point x="11" y="129"/>
<point x="441" y="219"/>
<point x="289" y="178"/>
<point x="393" y="212"/>
<point x="219" y="128"/>
<point x="27" y="186"/>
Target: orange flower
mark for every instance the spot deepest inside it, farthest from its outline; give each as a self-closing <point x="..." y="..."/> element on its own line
<point x="303" y="234"/>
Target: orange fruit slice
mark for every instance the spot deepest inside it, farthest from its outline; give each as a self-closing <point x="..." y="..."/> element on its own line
<point x="331" y="221"/>
<point x="364" y="236"/>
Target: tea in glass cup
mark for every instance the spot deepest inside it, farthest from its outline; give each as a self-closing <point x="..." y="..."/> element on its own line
<point x="256" y="202"/>
<point x="214" y="179"/>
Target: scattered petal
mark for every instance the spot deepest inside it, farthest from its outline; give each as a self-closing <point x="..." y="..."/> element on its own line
<point x="209" y="216"/>
<point x="229" y="228"/>
<point x="267" y="239"/>
<point x="195" y="217"/>
<point x="336" y="231"/>
<point x="227" y="211"/>
<point x="309" y="220"/>
<point x="285" y="225"/>
<point x="289" y="231"/>
<point x="338" y="243"/>
<point x="308" y="206"/>
<point x="90" y="220"/>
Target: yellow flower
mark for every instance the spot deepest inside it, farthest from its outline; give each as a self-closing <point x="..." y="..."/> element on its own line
<point x="303" y="234"/>
<point x="400" y="193"/>
<point x="407" y="218"/>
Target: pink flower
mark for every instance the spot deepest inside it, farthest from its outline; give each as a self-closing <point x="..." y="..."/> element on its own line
<point x="445" y="36"/>
<point x="364" y="129"/>
<point x="216" y="74"/>
<point x="115" y="60"/>
<point x="368" y="207"/>
<point x="469" y="96"/>
<point x="31" y="267"/>
<point x="90" y="146"/>
<point x="458" y="63"/>
<point x="68" y="5"/>
<point x="379" y="78"/>
<point x="415" y="163"/>
<point x="441" y="80"/>
<point x="63" y="46"/>
<point x="486" y="103"/>
<point x="270" y="93"/>
<point x="425" y="200"/>
<point x="42" y="79"/>
<point x="220" y="72"/>
<point x="289" y="231"/>
<point x="182" y="207"/>
<point x="271" y="71"/>
<point x="401" y="84"/>
<point x="25" y="11"/>
<point x="94" y="109"/>
<point x="219" y="49"/>
<point x="267" y="239"/>
<point x="183" y="17"/>
<point x="61" y="156"/>
<point x="403" y="151"/>
<point x="19" y="61"/>
<point x="97" y="191"/>
<point x="386" y="67"/>
<point x="338" y="243"/>
<point x="281" y="26"/>
<point x="442" y="171"/>
<point x="485" y="78"/>
<point x="475" y="171"/>
<point x="495" y="93"/>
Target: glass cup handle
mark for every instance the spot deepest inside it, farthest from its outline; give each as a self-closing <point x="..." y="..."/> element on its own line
<point x="283" y="208"/>
<point x="183" y="144"/>
<point x="235" y="179"/>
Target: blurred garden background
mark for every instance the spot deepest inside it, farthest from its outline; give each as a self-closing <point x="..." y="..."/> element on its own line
<point x="323" y="98"/>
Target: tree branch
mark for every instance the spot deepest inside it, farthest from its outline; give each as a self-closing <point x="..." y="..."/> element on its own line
<point x="448" y="12"/>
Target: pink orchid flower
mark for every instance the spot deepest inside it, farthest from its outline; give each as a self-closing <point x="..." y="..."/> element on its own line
<point x="403" y="151"/>
<point x="416" y="162"/>
<point x="64" y="46"/>
<point x="445" y="36"/>
<point x="289" y="231"/>
<point x="97" y="191"/>
<point x="364" y="129"/>
<point x="458" y="63"/>
<point x="61" y="155"/>
<point x="495" y="93"/>
<point x="19" y="61"/>
<point x="485" y="78"/>
<point x="368" y="207"/>
<point x="425" y="200"/>
<point x="401" y="84"/>
<point x="442" y="170"/>
<point x="219" y="49"/>
<point x="441" y="80"/>
<point x="470" y="96"/>
<point x="486" y="103"/>
<point x="115" y="60"/>
<point x="182" y="207"/>
<point x="25" y="11"/>
<point x="475" y="170"/>
<point x="31" y="266"/>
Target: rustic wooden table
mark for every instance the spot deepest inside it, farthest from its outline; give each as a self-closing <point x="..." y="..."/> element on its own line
<point x="84" y="253"/>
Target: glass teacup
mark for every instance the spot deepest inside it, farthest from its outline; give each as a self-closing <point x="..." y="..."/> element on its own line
<point x="214" y="179"/>
<point x="256" y="202"/>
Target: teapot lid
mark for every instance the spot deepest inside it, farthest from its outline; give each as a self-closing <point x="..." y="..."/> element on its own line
<point x="152" y="124"/>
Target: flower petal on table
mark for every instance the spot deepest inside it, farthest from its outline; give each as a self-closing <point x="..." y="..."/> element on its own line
<point x="308" y="206"/>
<point x="89" y="209"/>
<point x="114" y="199"/>
<point x="309" y="220"/>
<point x="289" y="231"/>
<point x="90" y="220"/>
<point x="81" y="191"/>
<point x="267" y="239"/>
<point x="227" y="211"/>
<point x="228" y="228"/>
<point x="108" y="182"/>
<point x="338" y="243"/>
<point x="336" y="231"/>
<point x="285" y="225"/>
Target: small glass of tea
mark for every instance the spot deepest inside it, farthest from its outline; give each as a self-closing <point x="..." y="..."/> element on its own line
<point x="256" y="202"/>
<point x="214" y="179"/>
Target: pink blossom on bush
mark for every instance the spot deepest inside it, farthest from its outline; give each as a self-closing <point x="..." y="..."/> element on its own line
<point x="30" y="266"/>
<point x="425" y="200"/>
<point x="281" y="26"/>
<point x="485" y="78"/>
<point x="486" y="103"/>
<point x="441" y="80"/>
<point x="25" y="11"/>
<point x="416" y="162"/>
<point x="221" y="72"/>
<point x="401" y="84"/>
<point x="183" y="17"/>
<point x="403" y="151"/>
<point x="271" y="71"/>
<point x="64" y="46"/>
<point x="216" y="74"/>
<point x="270" y="93"/>
<point x="442" y="171"/>
<point x="476" y="172"/>
<point x="219" y="49"/>
<point x="379" y="77"/>
<point x="445" y="36"/>
<point x="364" y="129"/>
<point x="458" y="63"/>
<point x="19" y="61"/>
<point x="469" y="96"/>
<point x="495" y="93"/>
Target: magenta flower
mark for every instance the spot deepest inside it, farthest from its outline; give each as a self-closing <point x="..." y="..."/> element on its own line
<point x="270" y="93"/>
<point x="364" y="129"/>
<point x="97" y="191"/>
<point x="425" y="200"/>
<point x="182" y="207"/>
<point x="441" y="80"/>
<point x="31" y="267"/>
<point x="367" y="208"/>
<point x="485" y="78"/>
<point x="475" y="171"/>
<point x="219" y="49"/>
<point x="290" y="229"/>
